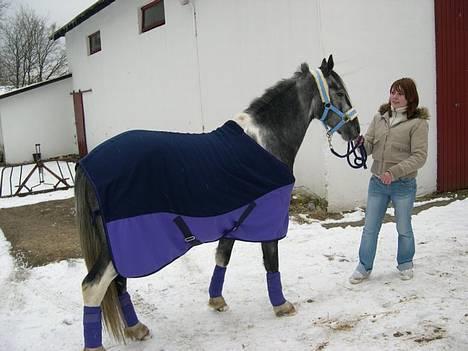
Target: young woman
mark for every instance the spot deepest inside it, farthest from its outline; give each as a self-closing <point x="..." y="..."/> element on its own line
<point x="397" y="140"/>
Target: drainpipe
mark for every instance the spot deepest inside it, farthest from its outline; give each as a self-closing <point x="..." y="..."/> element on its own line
<point x="197" y="56"/>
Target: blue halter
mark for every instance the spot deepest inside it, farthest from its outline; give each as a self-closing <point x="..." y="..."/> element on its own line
<point x="345" y="117"/>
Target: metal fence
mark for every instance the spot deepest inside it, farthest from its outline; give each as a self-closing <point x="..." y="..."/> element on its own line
<point x="35" y="178"/>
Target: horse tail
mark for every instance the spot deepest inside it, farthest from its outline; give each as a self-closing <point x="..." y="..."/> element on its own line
<point x="94" y="247"/>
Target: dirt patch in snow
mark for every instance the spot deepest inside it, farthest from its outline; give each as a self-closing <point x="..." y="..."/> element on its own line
<point x="46" y="232"/>
<point x="41" y="233"/>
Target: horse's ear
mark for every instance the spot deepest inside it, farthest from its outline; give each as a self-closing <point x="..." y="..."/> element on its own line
<point x="324" y="67"/>
<point x="330" y="63"/>
<point x="324" y="64"/>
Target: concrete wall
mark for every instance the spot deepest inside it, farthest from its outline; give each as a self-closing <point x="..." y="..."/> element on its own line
<point x="192" y="75"/>
<point x="43" y="115"/>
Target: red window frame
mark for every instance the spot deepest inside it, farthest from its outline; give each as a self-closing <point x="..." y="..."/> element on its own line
<point x="144" y="26"/>
<point x="93" y="50"/>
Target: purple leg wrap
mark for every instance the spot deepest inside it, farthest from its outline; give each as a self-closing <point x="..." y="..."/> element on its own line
<point x="127" y="309"/>
<point x="217" y="281"/>
<point x="92" y="327"/>
<point x="275" y="290"/>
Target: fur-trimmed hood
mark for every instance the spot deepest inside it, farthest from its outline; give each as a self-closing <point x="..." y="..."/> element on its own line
<point x="421" y="112"/>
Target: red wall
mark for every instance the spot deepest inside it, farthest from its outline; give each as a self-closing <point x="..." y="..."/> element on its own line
<point x="452" y="93"/>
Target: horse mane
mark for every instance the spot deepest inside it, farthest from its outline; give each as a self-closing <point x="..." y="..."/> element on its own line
<point x="259" y="104"/>
<point x="263" y="102"/>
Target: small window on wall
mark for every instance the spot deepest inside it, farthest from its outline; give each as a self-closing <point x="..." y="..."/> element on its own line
<point x="152" y="15"/>
<point x="94" y="42"/>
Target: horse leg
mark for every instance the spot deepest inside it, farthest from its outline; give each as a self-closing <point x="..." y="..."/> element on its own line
<point x="281" y="306"/>
<point x="94" y="288"/>
<point x="99" y="287"/>
<point x="134" y="329"/>
<point x="223" y="255"/>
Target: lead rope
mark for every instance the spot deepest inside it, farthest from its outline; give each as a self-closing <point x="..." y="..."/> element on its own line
<point x="359" y="160"/>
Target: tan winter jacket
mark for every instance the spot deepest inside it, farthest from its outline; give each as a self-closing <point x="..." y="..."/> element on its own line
<point x="399" y="147"/>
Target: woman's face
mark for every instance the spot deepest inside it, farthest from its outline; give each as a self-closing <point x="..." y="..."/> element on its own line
<point x="397" y="98"/>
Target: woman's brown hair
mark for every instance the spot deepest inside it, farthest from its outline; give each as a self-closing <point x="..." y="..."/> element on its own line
<point x="407" y="87"/>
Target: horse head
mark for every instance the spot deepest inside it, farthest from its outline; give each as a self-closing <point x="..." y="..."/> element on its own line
<point x="278" y="120"/>
<point x="334" y="107"/>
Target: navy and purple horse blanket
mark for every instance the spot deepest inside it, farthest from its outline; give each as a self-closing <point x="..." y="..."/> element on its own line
<point x="161" y="193"/>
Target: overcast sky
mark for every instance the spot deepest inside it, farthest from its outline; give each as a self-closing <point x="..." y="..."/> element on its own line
<point x="58" y="11"/>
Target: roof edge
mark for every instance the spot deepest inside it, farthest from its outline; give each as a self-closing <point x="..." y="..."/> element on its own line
<point x="34" y="86"/>
<point x="83" y="16"/>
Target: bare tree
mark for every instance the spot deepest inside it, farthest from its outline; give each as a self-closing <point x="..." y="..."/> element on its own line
<point x="3" y="6"/>
<point x="27" y="54"/>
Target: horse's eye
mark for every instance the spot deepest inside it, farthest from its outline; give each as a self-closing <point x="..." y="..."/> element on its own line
<point x="340" y="94"/>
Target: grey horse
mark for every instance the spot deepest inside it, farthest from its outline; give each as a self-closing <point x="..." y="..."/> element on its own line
<point x="277" y="122"/>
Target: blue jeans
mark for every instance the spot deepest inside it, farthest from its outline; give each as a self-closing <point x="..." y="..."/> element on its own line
<point x="402" y="193"/>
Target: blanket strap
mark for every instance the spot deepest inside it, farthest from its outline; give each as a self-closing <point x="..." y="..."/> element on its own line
<point x="243" y="216"/>
<point x="192" y="240"/>
<point x="183" y="227"/>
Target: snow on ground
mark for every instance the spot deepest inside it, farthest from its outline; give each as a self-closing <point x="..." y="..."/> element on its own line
<point x="34" y="199"/>
<point x="41" y="307"/>
<point x="353" y="216"/>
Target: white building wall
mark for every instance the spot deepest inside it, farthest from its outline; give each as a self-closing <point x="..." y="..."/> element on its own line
<point x="375" y="44"/>
<point x="138" y="81"/>
<point x="255" y="44"/>
<point x="43" y="115"/>
<point x="188" y="74"/>
<point x="2" y="151"/>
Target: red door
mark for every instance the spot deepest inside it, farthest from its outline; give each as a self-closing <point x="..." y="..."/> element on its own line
<point x="452" y="93"/>
<point x="80" y="122"/>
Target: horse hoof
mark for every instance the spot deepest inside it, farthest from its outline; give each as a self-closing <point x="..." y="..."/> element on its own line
<point x="286" y="309"/>
<point x="137" y="332"/>
<point x="218" y="304"/>
<point x="100" y="348"/>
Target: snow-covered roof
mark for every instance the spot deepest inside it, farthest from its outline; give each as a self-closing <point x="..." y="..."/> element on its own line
<point x="4" y="89"/>
<point x="6" y="93"/>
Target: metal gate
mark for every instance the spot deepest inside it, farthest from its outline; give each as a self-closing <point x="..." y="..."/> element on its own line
<point x="42" y="176"/>
<point x="452" y="93"/>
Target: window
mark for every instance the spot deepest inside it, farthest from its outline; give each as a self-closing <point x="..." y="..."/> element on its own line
<point x="152" y="15"/>
<point x="94" y="42"/>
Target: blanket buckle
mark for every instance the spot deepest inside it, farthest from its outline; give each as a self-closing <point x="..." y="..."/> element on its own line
<point x="189" y="239"/>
